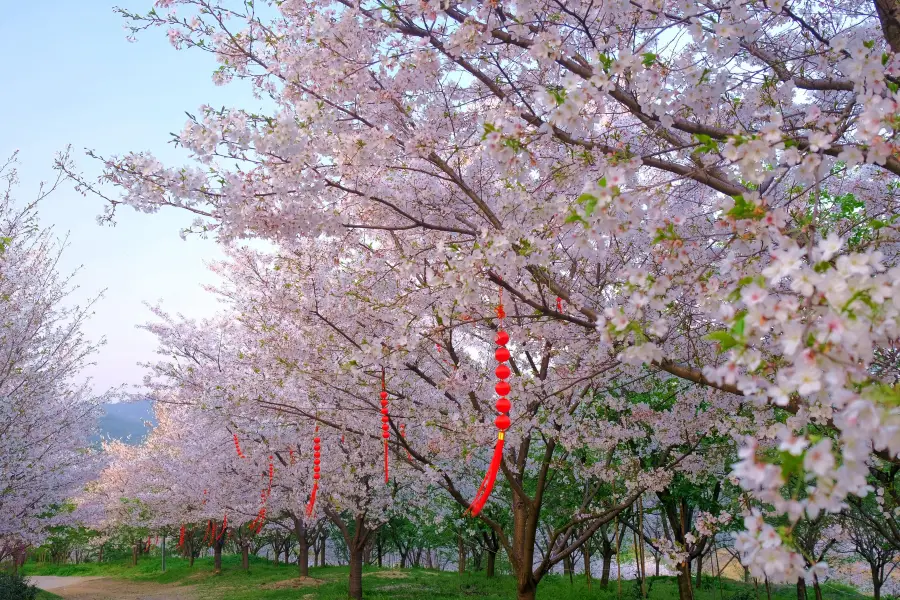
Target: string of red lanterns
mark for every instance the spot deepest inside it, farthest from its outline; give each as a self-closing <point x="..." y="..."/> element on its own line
<point x="237" y="446"/>
<point x="503" y="405"/>
<point x="385" y="428"/>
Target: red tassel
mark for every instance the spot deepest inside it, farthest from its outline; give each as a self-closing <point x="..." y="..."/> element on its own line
<point x="385" y="462"/>
<point x="181" y="537"/>
<point x="224" y="527"/>
<point x="558" y="304"/>
<point x="487" y="484"/>
<point x="312" y="499"/>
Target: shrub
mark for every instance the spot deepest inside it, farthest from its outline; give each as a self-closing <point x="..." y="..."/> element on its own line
<point x="15" y="587"/>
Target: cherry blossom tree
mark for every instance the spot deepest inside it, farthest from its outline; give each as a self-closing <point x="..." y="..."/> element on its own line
<point x="47" y="410"/>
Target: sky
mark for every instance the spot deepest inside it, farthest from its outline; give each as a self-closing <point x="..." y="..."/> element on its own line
<point x="72" y="78"/>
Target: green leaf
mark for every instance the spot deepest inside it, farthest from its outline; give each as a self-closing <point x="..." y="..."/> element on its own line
<point x="791" y="465"/>
<point x="745" y="210"/>
<point x="725" y="340"/>
<point x="649" y="59"/>
<point x="590" y="203"/>
<point x="737" y="329"/>
<point x="606" y="60"/>
<point x="574" y="217"/>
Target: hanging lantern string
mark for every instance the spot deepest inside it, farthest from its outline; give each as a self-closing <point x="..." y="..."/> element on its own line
<point x="503" y="405"/>
<point x="237" y="446"/>
<point x="257" y="524"/>
<point x="316" y="462"/>
<point x="385" y="428"/>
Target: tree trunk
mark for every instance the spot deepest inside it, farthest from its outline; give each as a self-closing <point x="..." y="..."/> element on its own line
<point x="607" y="563"/>
<point x="245" y="556"/>
<point x="889" y="15"/>
<point x="684" y="582"/>
<point x="526" y="590"/>
<point x="356" y="564"/>
<point x="801" y="589"/>
<point x="100" y="558"/>
<point x="586" y="550"/>
<point x="303" y="557"/>
<point x="568" y="568"/>
<point x="134" y="554"/>
<point x="491" y="563"/>
<point x="817" y="588"/>
<point x="461" y="550"/>
<point x="700" y="570"/>
<point x="876" y="591"/>
<point x="322" y="562"/>
<point x="217" y="554"/>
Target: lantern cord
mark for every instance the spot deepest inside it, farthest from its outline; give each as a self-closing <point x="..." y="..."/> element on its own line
<point x="487" y="484"/>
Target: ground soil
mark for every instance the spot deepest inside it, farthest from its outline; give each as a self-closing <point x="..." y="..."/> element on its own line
<point x="89" y="588"/>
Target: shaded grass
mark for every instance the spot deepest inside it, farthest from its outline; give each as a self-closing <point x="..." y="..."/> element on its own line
<point x="330" y="583"/>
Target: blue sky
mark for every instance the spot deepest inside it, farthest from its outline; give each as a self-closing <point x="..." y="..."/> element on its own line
<point x="71" y="77"/>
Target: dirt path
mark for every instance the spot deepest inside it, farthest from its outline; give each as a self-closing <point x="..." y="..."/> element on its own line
<point x="103" y="588"/>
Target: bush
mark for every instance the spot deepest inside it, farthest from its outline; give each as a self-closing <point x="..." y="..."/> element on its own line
<point x="15" y="587"/>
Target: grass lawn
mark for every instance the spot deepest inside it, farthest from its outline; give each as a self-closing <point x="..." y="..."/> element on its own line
<point x="265" y="581"/>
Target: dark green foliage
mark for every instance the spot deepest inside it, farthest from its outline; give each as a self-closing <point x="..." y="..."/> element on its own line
<point x="15" y="587"/>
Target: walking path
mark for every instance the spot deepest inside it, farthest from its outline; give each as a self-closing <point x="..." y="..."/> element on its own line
<point x="104" y="588"/>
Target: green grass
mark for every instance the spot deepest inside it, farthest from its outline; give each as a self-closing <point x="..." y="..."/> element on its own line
<point x="408" y="584"/>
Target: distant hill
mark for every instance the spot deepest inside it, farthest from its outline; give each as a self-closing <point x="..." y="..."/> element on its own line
<point x="125" y="421"/>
